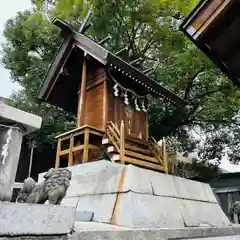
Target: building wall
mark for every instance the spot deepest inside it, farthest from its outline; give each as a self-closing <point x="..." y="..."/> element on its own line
<point x="227" y="189"/>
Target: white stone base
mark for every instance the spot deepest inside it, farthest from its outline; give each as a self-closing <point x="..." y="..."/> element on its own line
<point x="130" y="196"/>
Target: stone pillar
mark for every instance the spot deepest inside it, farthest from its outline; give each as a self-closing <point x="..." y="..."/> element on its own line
<point x="10" y="148"/>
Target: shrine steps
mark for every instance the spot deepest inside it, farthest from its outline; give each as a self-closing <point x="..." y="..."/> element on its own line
<point x="135" y="152"/>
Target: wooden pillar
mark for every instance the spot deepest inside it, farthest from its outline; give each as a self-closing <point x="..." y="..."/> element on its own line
<point x="82" y="95"/>
<point x="86" y="143"/>
<point x="165" y="157"/>
<point x="122" y="142"/>
<point x="57" y="163"/>
<point x="70" y="155"/>
<point x="105" y="105"/>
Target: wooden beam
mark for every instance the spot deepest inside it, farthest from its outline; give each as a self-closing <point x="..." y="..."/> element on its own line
<point x="147" y="129"/>
<point x="82" y="96"/>
<point x="208" y="22"/>
<point x="144" y="164"/>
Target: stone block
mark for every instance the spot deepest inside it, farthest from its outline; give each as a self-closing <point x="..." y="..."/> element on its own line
<point x="142" y="210"/>
<point x="84" y="216"/>
<point x="102" y="182"/>
<point x="163" y="185"/>
<point x="197" y="213"/>
<point x="70" y="202"/>
<point x="209" y="192"/>
<point x="137" y="180"/>
<point x="35" y="219"/>
<point x="88" y="168"/>
<point x="101" y="205"/>
<point x="193" y="190"/>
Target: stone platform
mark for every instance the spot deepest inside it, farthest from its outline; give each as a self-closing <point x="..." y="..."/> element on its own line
<point x="133" y="197"/>
<point x="129" y="202"/>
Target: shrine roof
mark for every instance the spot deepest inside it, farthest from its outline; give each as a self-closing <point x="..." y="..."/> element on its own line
<point x="213" y="26"/>
<point x="107" y="58"/>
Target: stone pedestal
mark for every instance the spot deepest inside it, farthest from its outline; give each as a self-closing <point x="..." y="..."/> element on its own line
<point x="133" y="197"/>
<point x="10" y="145"/>
<point x="132" y="203"/>
<point x="14" y="124"/>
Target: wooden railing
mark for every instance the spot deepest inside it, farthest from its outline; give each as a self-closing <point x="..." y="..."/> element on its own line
<point x="117" y="137"/>
<point x="159" y="152"/>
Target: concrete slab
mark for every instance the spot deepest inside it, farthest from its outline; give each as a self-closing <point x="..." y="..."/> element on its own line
<point x="216" y="238"/>
<point x="197" y="213"/>
<point x="101" y="205"/>
<point x="35" y="219"/>
<point x="10" y="114"/>
<point x="141" y="210"/>
<point x="105" y="232"/>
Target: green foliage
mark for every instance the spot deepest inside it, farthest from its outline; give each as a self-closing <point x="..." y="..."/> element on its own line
<point x="150" y="30"/>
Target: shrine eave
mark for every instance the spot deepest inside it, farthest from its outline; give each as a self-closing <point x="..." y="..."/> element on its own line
<point x="213" y="27"/>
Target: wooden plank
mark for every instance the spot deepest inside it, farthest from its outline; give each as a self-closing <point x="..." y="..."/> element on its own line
<point x="94" y="132"/>
<point x="117" y="138"/>
<point x="137" y="141"/>
<point x="111" y="149"/>
<point x="57" y="162"/>
<point x="105" y="105"/>
<point x="137" y="149"/>
<point x="143" y="164"/>
<point x="113" y="142"/>
<point x="105" y="141"/>
<point x="206" y="25"/>
<point x="205" y="13"/>
<point x="85" y="149"/>
<point x="78" y="131"/>
<point x="141" y="156"/>
<point x="95" y="84"/>
<point x="82" y="96"/>
<point x="114" y="126"/>
<point x="70" y="155"/>
<point x="64" y="152"/>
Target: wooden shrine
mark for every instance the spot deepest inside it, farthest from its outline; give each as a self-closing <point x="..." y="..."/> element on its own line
<point x="109" y="97"/>
<point x="214" y="26"/>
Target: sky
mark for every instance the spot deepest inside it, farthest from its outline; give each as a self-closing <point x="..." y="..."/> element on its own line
<point x="8" y="10"/>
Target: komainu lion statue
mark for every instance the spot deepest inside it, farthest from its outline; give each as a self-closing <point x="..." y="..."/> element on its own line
<point x="53" y="188"/>
<point x="235" y="212"/>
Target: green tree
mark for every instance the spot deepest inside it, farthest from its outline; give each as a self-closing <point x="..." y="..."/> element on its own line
<point x="150" y="30"/>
